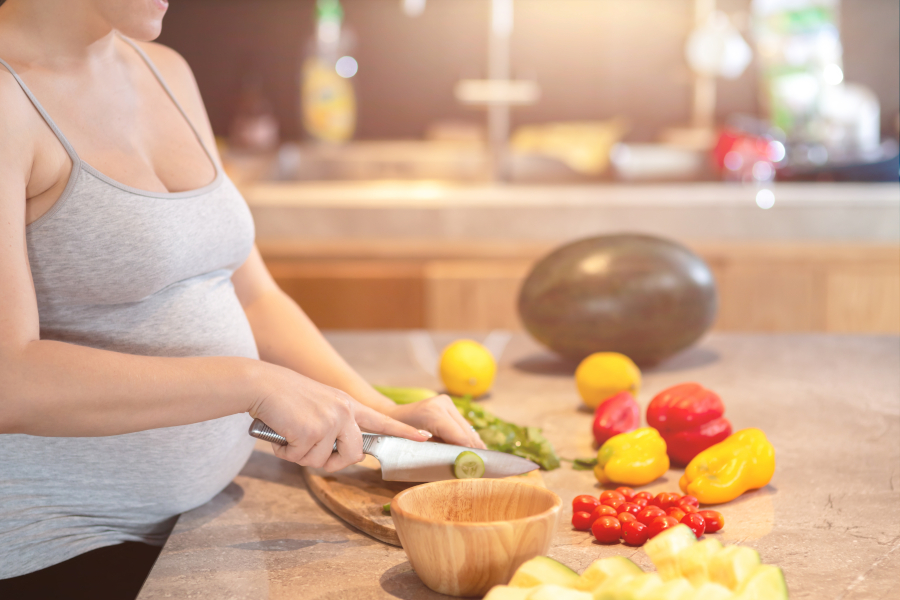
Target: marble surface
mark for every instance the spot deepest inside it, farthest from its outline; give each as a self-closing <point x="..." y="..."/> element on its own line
<point x="830" y="517"/>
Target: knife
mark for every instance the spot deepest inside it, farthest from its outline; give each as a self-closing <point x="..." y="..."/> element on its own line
<point x="405" y="460"/>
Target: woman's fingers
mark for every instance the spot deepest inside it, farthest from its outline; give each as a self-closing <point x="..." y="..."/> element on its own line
<point x="376" y="422"/>
<point x="349" y="448"/>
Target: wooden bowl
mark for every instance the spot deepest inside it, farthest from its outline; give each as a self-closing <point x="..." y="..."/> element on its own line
<point x="465" y="536"/>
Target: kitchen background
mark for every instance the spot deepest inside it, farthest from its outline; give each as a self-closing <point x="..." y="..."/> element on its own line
<point x="593" y="59"/>
<point x="394" y="187"/>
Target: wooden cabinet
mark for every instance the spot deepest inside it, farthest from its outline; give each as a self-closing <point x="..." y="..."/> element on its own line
<point x="383" y="284"/>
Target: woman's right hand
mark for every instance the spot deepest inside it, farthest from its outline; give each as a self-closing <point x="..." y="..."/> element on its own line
<point x="312" y="416"/>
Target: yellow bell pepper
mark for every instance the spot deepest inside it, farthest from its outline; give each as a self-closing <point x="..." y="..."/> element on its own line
<point x="632" y="458"/>
<point x="744" y="461"/>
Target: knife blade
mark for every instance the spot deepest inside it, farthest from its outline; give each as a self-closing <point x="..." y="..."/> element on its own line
<point x="405" y="460"/>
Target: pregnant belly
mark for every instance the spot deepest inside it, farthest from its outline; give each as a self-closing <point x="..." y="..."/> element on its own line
<point x="130" y="481"/>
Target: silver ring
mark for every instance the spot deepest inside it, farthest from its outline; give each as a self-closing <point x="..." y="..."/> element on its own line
<point x="472" y="427"/>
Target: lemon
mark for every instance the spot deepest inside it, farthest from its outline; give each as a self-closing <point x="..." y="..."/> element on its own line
<point x="604" y="374"/>
<point x="467" y="368"/>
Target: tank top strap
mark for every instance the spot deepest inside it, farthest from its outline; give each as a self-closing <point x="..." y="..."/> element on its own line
<point x="70" y="150"/>
<point x="175" y="101"/>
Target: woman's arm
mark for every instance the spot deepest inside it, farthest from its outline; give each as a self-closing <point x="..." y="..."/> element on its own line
<point x="284" y="334"/>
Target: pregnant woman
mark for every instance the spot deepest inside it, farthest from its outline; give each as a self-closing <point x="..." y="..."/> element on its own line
<point x="139" y="329"/>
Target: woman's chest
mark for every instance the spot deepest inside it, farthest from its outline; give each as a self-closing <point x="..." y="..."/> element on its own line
<point x="105" y="245"/>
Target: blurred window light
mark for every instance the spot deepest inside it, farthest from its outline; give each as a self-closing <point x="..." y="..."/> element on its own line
<point x="502" y="17"/>
<point x="733" y="161"/>
<point x="833" y="74"/>
<point x="765" y="199"/>
<point x="817" y="155"/>
<point x="413" y="8"/>
<point x="777" y="151"/>
<point x="763" y="171"/>
<point x="346" y="67"/>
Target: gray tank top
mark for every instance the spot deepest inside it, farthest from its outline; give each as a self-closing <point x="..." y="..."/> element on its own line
<point x="136" y="272"/>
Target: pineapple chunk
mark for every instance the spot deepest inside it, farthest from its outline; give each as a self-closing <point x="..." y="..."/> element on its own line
<point x="504" y="592"/>
<point x="664" y="549"/>
<point x="712" y="591"/>
<point x="638" y="587"/>
<point x="540" y="570"/>
<point x="675" y="589"/>
<point x="766" y="582"/>
<point x="693" y="561"/>
<point x="550" y="591"/>
<point x="611" y="589"/>
<point x="732" y="565"/>
<point x="604" y="568"/>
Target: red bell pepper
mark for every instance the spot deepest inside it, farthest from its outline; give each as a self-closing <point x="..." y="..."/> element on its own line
<point x="615" y="415"/>
<point x="689" y="418"/>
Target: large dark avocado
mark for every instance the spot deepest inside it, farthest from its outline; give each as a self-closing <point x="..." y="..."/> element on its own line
<point x="640" y="295"/>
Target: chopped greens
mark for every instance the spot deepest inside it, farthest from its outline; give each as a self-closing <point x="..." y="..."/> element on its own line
<point x="497" y="434"/>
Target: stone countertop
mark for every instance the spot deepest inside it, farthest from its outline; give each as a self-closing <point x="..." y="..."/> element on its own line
<point x="830" y="517"/>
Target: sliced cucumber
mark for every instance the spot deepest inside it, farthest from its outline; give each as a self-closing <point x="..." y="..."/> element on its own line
<point x="601" y="570"/>
<point x="712" y="591"/>
<point x="551" y="591"/>
<point x="468" y="465"/>
<point x="404" y="395"/>
<point x="732" y="565"/>
<point x="664" y="549"/>
<point x="503" y="592"/>
<point x="766" y="582"/>
<point x="540" y="570"/>
<point x="693" y="562"/>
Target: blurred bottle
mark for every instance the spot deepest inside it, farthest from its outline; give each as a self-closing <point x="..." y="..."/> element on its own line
<point x="800" y="59"/>
<point x="328" y="101"/>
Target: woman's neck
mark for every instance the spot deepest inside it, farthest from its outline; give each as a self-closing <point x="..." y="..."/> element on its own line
<point x="56" y="33"/>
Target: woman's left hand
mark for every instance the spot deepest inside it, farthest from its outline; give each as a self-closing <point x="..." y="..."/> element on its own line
<point x="440" y="417"/>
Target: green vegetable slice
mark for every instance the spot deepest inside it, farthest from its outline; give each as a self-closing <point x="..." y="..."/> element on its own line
<point x="387" y="508"/>
<point x="468" y="465"/>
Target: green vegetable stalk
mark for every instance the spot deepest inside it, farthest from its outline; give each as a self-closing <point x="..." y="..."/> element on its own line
<point x="497" y="434"/>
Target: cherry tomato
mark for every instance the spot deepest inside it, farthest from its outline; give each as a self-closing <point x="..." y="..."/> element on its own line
<point x="613" y="501"/>
<point x="625" y="517"/>
<point x="603" y="511"/>
<point x="581" y="520"/>
<point x="660" y="524"/>
<point x="607" y="530"/>
<point x="647" y="515"/>
<point x="642" y="502"/>
<point x="714" y="520"/>
<point x="689" y="500"/>
<point x="695" y="522"/>
<point x="646" y="496"/>
<point x="626" y="492"/>
<point x="676" y="512"/>
<point x="585" y="504"/>
<point x="634" y="533"/>
<point x="611" y="494"/>
<point x="629" y="507"/>
<point x="687" y="508"/>
<point x="665" y="500"/>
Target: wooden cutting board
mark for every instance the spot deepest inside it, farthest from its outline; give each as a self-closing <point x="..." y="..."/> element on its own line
<point x="358" y="493"/>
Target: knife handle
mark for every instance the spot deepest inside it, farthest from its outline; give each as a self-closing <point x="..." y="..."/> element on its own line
<point x="261" y="431"/>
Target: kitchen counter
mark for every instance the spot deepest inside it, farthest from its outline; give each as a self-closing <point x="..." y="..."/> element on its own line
<point x="830" y="517"/>
<point x="404" y="210"/>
